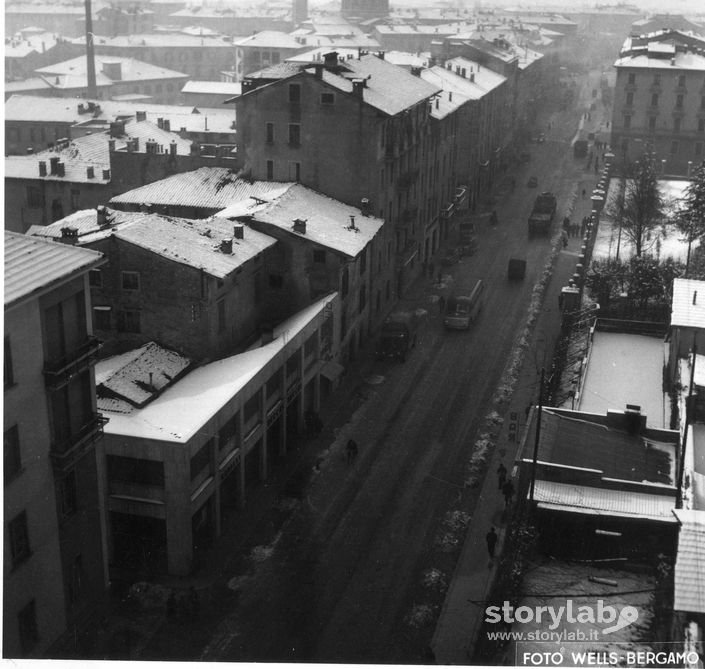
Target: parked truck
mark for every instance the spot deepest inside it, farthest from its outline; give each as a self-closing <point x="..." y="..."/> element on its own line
<point x="398" y="335"/>
<point x="542" y="214"/>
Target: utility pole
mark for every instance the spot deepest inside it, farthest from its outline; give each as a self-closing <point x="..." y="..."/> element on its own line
<point x="92" y="87"/>
<point x="538" y="438"/>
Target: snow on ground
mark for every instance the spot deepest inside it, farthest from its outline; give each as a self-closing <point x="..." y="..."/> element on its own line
<point x="625" y="369"/>
<point x="571" y="583"/>
<point x="667" y="244"/>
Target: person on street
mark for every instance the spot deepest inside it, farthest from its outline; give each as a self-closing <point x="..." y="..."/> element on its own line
<point x="501" y="475"/>
<point x="508" y="492"/>
<point x="351" y="450"/>
<point x="491" y="538"/>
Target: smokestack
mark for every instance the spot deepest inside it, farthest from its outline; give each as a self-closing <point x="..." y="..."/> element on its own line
<point x="90" y="53"/>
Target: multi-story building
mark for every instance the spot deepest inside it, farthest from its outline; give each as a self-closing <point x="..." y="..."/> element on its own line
<point x="61" y="19"/>
<point x="659" y="102"/>
<point x="55" y="570"/>
<point x="201" y="294"/>
<point x="263" y="49"/>
<point x="358" y="130"/>
<point x="32" y="48"/>
<point x="234" y="20"/>
<point x="365" y="9"/>
<point x="182" y="453"/>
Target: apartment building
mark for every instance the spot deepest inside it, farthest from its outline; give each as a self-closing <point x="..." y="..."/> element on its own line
<point x="659" y="102"/>
<point x="358" y="130"/>
<point x="55" y="570"/>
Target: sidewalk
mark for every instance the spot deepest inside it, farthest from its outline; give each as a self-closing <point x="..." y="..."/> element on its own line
<point x="463" y="611"/>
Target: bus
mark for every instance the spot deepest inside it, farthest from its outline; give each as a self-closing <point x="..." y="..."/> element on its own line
<point x="463" y="307"/>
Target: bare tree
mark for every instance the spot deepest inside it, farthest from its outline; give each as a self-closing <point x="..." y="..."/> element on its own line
<point x="643" y="208"/>
<point x="690" y="220"/>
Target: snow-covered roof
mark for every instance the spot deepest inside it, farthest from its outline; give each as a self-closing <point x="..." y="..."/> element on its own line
<point x="171" y="40"/>
<point x="135" y="378"/>
<point x="689" y="573"/>
<point x="271" y="39"/>
<point x="603" y="502"/>
<point x="626" y="369"/>
<point x="328" y="221"/>
<point x="688" y="306"/>
<point x="186" y="406"/>
<point x="453" y="96"/>
<point x="33" y="264"/>
<point x="485" y="80"/>
<point x="213" y="87"/>
<point x="679" y="61"/>
<point x="130" y="70"/>
<point x="211" y="188"/>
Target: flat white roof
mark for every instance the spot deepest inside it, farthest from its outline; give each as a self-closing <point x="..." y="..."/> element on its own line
<point x="688" y="307"/>
<point x="626" y="369"/>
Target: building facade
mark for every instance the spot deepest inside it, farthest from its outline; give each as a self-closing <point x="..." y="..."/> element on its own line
<point x="55" y="572"/>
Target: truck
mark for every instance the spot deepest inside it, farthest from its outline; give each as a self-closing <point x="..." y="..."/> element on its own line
<point x="398" y="335"/>
<point x="542" y="214"/>
<point x="516" y="269"/>
<point x="463" y="307"/>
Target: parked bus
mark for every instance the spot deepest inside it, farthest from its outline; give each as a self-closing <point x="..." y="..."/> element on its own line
<point x="462" y="308"/>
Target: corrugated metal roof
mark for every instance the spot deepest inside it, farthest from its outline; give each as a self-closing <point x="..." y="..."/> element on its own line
<point x="688" y="306"/>
<point x="211" y="188"/>
<point x="689" y="574"/>
<point x="603" y="502"/>
<point x="33" y="264"/>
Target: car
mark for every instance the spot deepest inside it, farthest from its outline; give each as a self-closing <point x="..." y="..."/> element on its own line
<point x="533" y="182"/>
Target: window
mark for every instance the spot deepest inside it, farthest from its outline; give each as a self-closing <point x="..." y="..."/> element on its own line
<point x="679" y="102"/>
<point x="698" y="149"/>
<point x="101" y="318"/>
<point x="75" y="198"/>
<point x="19" y="539"/>
<point x="652" y="123"/>
<point x="630" y="99"/>
<point x="676" y="125"/>
<point x="252" y="407"/>
<point x="631" y="78"/>
<point x="201" y="459"/>
<point x="227" y="432"/>
<point x="681" y="80"/>
<point x="627" y="121"/>
<point x="35" y="197"/>
<point x="135" y="470"/>
<point x="294" y="134"/>
<point x="13" y="457"/>
<point x="674" y="148"/>
<point x="276" y="281"/>
<point x="128" y="320"/>
<point x="295" y="171"/>
<point x="295" y="93"/>
<point x="27" y="619"/>
<point x="654" y="99"/>
<point x="221" y="316"/>
<point x="8" y="372"/>
<point x="67" y="495"/>
<point x="269" y="128"/>
<point x="657" y="80"/>
<point x="270" y="170"/>
<point x="327" y="98"/>
<point x="319" y="255"/>
<point x="344" y="282"/>
<point x="75" y="580"/>
<point x="95" y="278"/>
<point x="130" y="280"/>
<point x="701" y="125"/>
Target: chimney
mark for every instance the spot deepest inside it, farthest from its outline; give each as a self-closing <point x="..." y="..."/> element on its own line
<point x="352" y="222"/>
<point x="113" y="70"/>
<point x="358" y="86"/>
<point x="69" y="235"/>
<point x="101" y="216"/>
<point x="30" y="150"/>
<point x="90" y="172"/>
<point x="54" y="161"/>
<point x="117" y="128"/>
<point x="106" y="175"/>
<point x="239" y="232"/>
<point x="330" y="60"/>
<point x="111" y="145"/>
<point x="695" y="296"/>
<point x="450" y="96"/>
<point x="167" y="125"/>
<point x="318" y="70"/>
<point x="300" y="225"/>
<point x="81" y="108"/>
<point x="172" y="148"/>
<point x="226" y="246"/>
<point x="92" y="87"/>
<point x="160" y="123"/>
<point x="141" y="116"/>
<point x="42" y="168"/>
<point x="472" y="77"/>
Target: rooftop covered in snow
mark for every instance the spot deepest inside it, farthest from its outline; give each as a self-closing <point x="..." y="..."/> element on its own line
<point x="688" y="306"/>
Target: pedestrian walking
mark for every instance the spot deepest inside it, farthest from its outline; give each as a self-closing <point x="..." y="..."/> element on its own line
<point x="508" y="492"/>
<point x="501" y="475"/>
<point x="352" y="450"/>
<point x="491" y="538"/>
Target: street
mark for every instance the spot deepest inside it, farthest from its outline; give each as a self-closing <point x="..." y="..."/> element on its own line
<point x="345" y="573"/>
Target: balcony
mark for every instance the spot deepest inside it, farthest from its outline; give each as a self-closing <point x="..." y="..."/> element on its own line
<point x="67" y="452"/>
<point x="59" y="371"/>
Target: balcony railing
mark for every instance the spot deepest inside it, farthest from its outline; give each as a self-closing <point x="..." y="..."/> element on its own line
<point x="65" y="453"/>
<point x="59" y="371"/>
